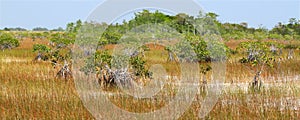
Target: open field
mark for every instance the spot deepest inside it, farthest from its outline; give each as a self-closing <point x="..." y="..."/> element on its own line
<point x="29" y="90"/>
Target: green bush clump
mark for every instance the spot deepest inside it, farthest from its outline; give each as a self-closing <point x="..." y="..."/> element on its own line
<point x="7" y="41"/>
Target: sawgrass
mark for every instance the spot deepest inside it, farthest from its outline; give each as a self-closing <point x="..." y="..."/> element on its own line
<point x="29" y="90"/>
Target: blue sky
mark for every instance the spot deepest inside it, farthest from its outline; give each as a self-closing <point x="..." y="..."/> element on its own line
<point x="57" y="13"/>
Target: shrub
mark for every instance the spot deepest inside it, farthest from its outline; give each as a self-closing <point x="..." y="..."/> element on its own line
<point x="7" y="41"/>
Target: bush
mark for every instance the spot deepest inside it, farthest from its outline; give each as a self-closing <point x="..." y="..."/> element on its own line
<point x="288" y="37"/>
<point x="7" y="41"/>
<point x="43" y="52"/>
<point x="276" y="36"/>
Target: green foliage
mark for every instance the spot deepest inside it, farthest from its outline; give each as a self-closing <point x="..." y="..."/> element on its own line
<point x="74" y="27"/>
<point x="199" y="46"/>
<point x="292" y="28"/>
<point x="258" y="53"/>
<point x="241" y="31"/>
<point x="206" y="50"/>
<point x="7" y="41"/>
<point x="59" y="29"/>
<point x="41" y="48"/>
<point x="110" y="37"/>
<point x="63" y="39"/>
<point x="102" y="59"/>
<point x="218" y="51"/>
<point x="39" y="29"/>
<point x="59" y="50"/>
<point x="200" y="25"/>
<point x="259" y="35"/>
<point x="275" y="36"/>
<point x="138" y="64"/>
<point x="196" y="49"/>
<point x="97" y="62"/>
<point x="14" y="29"/>
<point x="288" y="37"/>
<point x="43" y="52"/>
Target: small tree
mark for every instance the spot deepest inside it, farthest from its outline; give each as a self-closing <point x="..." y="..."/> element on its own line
<point x="257" y="56"/>
<point x="59" y="53"/>
<point x="199" y="49"/>
<point x="43" y="52"/>
<point x="7" y="41"/>
<point x="110" y="71"/>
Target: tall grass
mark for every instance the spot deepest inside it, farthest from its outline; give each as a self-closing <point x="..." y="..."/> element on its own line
<point x="29" y="90"/>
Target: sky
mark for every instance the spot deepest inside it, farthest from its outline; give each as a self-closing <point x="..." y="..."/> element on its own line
<point x="57" y="13"/>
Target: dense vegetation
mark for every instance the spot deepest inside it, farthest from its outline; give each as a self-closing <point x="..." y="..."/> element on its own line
<point x="183" y="23"/>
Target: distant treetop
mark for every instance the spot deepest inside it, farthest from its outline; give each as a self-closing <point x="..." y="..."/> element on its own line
<point x="39" y="29"/>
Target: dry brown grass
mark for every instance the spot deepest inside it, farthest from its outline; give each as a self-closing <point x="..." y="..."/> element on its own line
<point x="28" y="43"/>
<point x="29" y="90"/>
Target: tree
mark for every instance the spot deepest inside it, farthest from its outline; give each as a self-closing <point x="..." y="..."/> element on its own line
<point x="43" y="52"/>
<point x="211" y="15"/>
<point x="39" y="29"/>
<point x="58" y="53"/>
<point x="58" y="29"/>
<point x="7" y="41"/>
<point x="14" y="29"/>
<point x="244" y="24"/>
<point x="257" y="56"/>
<point x="108" y="69"/>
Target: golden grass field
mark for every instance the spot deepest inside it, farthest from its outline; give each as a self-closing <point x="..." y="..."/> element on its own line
<point x="29" y="90"/>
